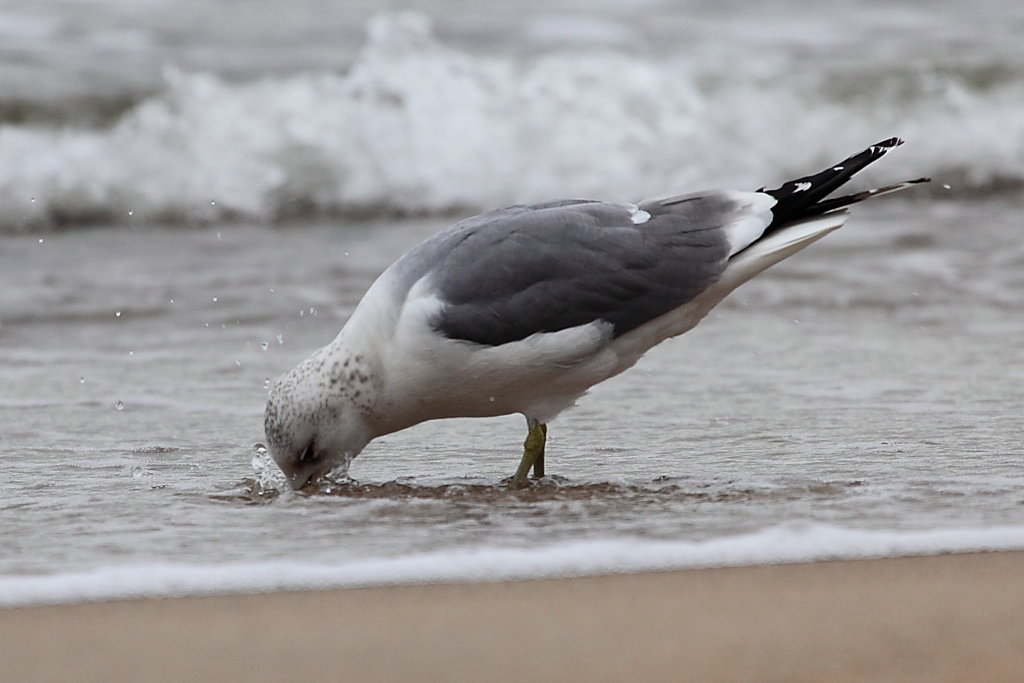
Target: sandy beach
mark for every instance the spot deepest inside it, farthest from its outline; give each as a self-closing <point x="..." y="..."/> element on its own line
<point x="944" y="618"/>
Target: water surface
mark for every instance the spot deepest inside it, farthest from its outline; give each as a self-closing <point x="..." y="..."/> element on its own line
<point x="194" y="200"/>
<point x="872" y="383"/>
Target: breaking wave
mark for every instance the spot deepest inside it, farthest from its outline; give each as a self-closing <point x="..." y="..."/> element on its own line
<point x="414" y="126"/>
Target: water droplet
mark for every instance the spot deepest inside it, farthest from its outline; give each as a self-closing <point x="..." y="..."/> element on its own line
<point x="264" y="345"/>
<point x="947" y="187"/>
<point x="280" y="338"/>
<point x="207" y="324"/>
<point x="266" y="383"/>
<point x="302" y="312"/>
<point x="219" y="238"/>
<point x="131" y="354"/>
<point x="271" y="290"/>
<point x="119" y="405"/>
<point x="346" y="253"/>
<point x="33" y="200"/>
<point x="81" y="380"/>
<point x="40" y="240"/>
<point x="131" y="213"/>
<point x="171" y="300"/>
<point x="214" y="299"/>
<point x="213" y="203"/>
<point x="117" y="314"/>
<point x="312" y="311"/>
<point x="795" y="321"/>
<point x="491" y="399"/>
<point x="238" y="363"/>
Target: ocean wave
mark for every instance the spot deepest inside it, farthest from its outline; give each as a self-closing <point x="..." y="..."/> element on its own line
<point x="785" y="544"/>
<point x="414" y="126"/>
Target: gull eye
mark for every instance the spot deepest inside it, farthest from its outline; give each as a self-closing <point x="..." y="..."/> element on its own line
<point x="309" y="453"/>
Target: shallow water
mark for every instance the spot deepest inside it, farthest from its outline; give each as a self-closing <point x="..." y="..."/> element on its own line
<point x="870" y="384"/>
<point x="863" y="398"/>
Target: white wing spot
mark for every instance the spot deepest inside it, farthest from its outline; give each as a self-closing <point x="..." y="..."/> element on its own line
<point x="637" y="215"/>
<point x="837" y="168"/>
<point x="802" y="187"/>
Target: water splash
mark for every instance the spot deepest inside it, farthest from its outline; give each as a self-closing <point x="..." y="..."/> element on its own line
<point x="269" y="479"/>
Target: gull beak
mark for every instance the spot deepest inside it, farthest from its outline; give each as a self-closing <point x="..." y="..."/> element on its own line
<point x="307" y="472"/>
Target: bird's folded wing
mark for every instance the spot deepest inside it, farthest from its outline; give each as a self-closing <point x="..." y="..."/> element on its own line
<point x="509" y="274"/>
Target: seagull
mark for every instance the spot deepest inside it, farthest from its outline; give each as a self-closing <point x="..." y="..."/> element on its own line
<point x="524" y="309"/>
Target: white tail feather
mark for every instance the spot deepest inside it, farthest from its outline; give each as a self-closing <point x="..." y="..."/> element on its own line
<point x="776" y="247"/>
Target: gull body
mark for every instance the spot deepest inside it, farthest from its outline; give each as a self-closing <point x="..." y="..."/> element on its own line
<point x="524" y="309"/>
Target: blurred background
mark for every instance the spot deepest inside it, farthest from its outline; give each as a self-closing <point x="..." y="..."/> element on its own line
<point x="118" y="111"/>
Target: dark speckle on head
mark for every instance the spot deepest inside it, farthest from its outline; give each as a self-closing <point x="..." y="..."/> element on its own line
<point x="313" y="422"/>
<point x="273" y="424"/>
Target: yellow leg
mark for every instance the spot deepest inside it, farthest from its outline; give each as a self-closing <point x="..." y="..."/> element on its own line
<point x="533" y="454"/>
<point x="538" y="463"/>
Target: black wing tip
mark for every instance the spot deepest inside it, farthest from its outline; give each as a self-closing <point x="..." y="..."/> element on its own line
<point x="836" y="203"/>
<point x="889" y="143"/>
<point x="877" y="150"/>
<point x="839" y="173"/>
<point x="808" y="196"/>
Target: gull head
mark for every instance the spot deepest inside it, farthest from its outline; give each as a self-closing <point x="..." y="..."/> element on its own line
<point x="312" y="422"/>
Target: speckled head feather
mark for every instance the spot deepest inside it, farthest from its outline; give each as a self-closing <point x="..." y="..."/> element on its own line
<point x="314" y="419"/>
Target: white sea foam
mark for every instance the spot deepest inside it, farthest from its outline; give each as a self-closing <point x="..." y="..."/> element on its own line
<point x="414" y="126"/>
<point x="790" y="543"/>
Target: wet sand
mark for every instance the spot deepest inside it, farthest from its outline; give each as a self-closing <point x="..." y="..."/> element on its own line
<point x="944" y="618"/>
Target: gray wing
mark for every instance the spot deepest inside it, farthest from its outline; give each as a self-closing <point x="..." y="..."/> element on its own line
<point x="508" y="274"/>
